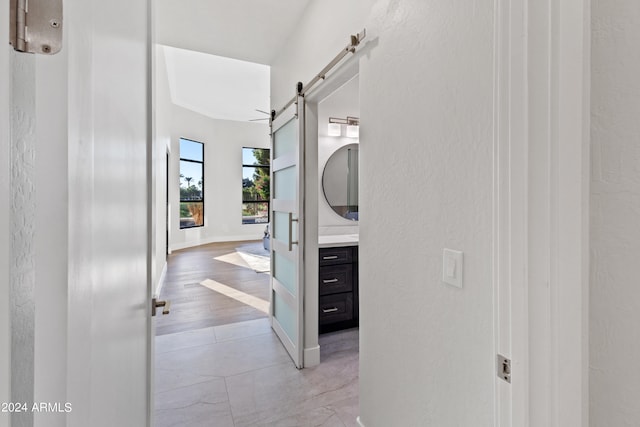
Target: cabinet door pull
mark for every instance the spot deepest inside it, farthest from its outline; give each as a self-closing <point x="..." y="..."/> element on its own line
<point x="330" y="257"/>
<point x="330" y="281"/>
<point x="330" y="310"/>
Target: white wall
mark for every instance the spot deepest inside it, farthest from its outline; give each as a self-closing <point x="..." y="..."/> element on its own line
<point x="37" y="249"/>
<point x="426" y="103"/>
<point x="5" y="330"/>
<point x="615" y="214"/>
<point x="35" y="177"/>
<point x="223" y="142"/>
<point x="342" y="103"/>
<point x="23" y="195"/>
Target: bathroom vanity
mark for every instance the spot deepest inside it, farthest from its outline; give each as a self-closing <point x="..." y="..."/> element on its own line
<point x="338" y="210"/>
<point x="338" y="283"/>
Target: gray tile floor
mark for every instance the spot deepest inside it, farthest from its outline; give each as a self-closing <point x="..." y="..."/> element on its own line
<point x="240" y="375"/>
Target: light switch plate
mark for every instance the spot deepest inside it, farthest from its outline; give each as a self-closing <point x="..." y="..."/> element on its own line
<point x="452" y="267"/>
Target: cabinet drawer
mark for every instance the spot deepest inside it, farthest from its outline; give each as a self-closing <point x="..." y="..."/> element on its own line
<point x="330" y="256"/>
<point x="336" y="308"/>
<point x="336" y="278"/>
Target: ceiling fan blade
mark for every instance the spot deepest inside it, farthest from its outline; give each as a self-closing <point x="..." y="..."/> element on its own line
<point x="263" y="112"/>
<point x="255" y="120"/>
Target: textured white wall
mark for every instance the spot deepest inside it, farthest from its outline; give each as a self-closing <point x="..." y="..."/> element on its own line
<point x="5" y="330"/>
<point x="615" y="214"/>
<point x="426" y="161"/>
<point x="22" y="227"/>
<point x="223" y="141"/>
<point x="36" y="180"/>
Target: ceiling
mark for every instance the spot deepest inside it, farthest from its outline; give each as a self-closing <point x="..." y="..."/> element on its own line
<point x="249" y="30"/>
<point x="217" y="87"/>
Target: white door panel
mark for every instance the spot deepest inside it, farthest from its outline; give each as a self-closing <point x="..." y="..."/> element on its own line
<point x="287" y="183"/>
<point x="109" y="287"/>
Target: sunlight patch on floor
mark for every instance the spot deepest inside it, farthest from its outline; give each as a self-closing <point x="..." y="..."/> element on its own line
<point x="233" y="258"/>
<point x="237" y="295"/>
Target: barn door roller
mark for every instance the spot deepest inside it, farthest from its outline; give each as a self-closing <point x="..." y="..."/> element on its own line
<point x="36" y="26"/>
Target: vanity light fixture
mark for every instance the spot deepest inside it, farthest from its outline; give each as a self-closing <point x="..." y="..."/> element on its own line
<point x="353" y="126"/>
<point x="335" y="129"/>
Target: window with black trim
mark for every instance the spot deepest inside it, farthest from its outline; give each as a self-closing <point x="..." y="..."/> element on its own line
<point x="256" y="190"/>
<point x="191" y="183"/>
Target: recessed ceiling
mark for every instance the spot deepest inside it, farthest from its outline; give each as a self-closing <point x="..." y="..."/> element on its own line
<point x="249" y="30"/>
<point x="221" y="88"/>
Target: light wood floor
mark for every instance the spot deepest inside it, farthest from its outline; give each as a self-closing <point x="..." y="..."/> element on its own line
<point x="194" y="306"/>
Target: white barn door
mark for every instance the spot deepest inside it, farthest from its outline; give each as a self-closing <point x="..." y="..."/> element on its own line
<point x="287" y="273"/>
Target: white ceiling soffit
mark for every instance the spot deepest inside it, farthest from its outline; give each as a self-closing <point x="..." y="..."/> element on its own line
<point x="217" y="87"/>
<point x="250" y="30"/>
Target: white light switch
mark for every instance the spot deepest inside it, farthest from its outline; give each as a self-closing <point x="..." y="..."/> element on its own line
<point x="452" y="267"/>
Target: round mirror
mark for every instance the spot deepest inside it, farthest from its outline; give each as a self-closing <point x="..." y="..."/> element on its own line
<point x="340" y="182"/>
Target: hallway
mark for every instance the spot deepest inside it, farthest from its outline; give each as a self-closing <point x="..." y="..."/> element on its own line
<point x="218" y="363"/>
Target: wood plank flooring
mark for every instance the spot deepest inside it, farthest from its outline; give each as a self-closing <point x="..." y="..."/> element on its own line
<point x="194" y="306"/>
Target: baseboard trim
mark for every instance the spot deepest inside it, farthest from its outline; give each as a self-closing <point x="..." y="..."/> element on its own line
<point x="311" y="356"/>
<point x="359" y="422"/>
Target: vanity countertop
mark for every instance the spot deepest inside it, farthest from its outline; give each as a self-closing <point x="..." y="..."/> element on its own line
<point x="336" y="240"/>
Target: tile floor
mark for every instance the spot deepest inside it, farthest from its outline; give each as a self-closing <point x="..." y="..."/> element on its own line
<point x="219" y="364"/>
<point x="240" y="375"/>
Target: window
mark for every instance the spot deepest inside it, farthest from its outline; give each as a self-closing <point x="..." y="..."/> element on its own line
<point x="191" y="183"/>
<point x="256" y="191"/>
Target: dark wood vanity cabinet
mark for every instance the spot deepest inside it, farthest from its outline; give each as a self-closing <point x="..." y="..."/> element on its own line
<point x="338" y="287"/>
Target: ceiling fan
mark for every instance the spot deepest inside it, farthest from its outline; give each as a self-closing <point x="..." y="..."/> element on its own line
<point x="262" y="118"/>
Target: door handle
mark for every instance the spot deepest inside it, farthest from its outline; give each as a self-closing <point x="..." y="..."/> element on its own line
<point x="166" y="306"/>
<point x="291" y="242"/>
<point x="330" y="281"/>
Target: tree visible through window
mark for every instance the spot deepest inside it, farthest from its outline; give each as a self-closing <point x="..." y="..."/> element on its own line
<point x="256" y="190"/>
<point x="191" y="183"/>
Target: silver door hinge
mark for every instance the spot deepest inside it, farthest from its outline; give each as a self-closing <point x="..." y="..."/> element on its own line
<point x="36" y="26"/>
<point x="504" y="368"/>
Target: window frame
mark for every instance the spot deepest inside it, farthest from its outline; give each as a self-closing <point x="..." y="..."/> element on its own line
<point x="183" y="159"/>
<point x="254" y="202"/>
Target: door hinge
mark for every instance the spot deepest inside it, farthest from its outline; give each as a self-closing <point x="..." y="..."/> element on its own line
<point x="504" y="368"/>
<point x="36" y="26"/>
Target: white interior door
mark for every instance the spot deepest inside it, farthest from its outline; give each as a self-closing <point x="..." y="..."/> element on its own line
<point x="287" y="182"/>
<point x="109" y="342"/>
